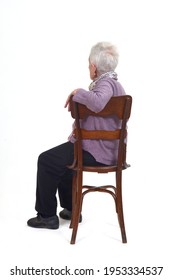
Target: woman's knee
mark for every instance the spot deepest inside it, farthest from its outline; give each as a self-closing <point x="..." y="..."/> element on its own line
<point x="43" y="157"/>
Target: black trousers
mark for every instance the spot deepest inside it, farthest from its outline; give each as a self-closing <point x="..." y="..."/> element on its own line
<point x="53" y="175"/>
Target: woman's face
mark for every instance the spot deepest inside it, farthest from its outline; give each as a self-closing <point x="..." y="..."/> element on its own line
<point x="92" y="70"/>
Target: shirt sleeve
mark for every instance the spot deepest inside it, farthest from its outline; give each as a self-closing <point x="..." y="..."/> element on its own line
<point x="96" y="99"/>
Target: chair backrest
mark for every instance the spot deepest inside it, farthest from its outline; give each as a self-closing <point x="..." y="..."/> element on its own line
<point x="119" y="106"/>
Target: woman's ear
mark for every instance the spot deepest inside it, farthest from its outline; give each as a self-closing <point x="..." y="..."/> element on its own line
<point x="94" y="69"/>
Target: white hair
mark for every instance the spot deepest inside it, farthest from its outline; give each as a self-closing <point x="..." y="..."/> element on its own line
<point x="105" y="57"/>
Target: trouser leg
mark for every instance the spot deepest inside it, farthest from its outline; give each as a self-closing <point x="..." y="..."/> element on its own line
<point x="65" y="190"/>
<point x="52" y="168"/>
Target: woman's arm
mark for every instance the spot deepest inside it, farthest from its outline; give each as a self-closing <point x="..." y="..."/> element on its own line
<point x="96" y="99"/>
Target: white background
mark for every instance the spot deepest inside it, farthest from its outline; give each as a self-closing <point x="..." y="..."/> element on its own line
<point x="44" y="48"/>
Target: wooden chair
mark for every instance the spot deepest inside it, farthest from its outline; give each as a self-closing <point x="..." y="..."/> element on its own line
<point x="121" y="107"/>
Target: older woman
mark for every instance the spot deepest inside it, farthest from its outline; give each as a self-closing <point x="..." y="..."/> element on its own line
<point x="53" y="174"/>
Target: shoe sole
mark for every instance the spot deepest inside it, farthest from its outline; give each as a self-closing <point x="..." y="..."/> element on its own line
<point x="43" y="226"/>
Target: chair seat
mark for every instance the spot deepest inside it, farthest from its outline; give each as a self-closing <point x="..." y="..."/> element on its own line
<point x="102" y="169"/>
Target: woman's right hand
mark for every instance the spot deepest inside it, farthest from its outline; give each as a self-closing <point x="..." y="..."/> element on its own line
<point x="67" y="103"/>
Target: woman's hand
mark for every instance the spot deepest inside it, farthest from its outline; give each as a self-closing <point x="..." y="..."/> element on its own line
<point x="67" y="103"/>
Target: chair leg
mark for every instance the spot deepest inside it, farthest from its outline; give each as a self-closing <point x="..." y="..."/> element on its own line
<point x="78" y="205"/>
<point x="77" y="212"/>
<point x="74" y="191"/>
<point x="120" y="206"/>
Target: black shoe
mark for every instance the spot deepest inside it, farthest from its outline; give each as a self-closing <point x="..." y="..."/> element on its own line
<point x="66" y="215"/>
<point x="40" y="222"/>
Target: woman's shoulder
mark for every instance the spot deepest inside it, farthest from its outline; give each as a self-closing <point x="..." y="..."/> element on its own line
<point x="114" y="84"/>
<point x="108" y="81"/>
